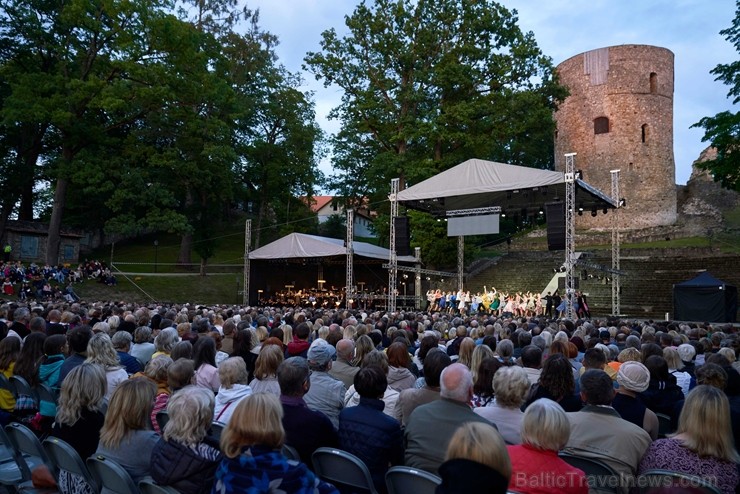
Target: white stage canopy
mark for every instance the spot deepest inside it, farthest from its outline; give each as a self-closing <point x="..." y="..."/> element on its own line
<point x="479" y="184"/>
<point x="303" y="245"/>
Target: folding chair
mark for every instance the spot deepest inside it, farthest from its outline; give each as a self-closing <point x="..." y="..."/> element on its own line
<point x="65" y="457"/>
<point x="46" y="393"/>
<point x="601" y="477"/>
<point x="29" y="454"/>
<point x="21" y="387"/>
<point x="162" y="419"/>
<point x="110" y="475"/>
<point x="347" y="472"/>
<point x="401" y="480"/>
<point x="662" y="480"/>
<point x="290" y="453"/>
<point x="664" y="425"/>
<point x="149" y="487"/>
<point x="216" y="429"/>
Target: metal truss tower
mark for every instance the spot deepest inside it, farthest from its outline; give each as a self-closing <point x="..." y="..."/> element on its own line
<point x="616" y="282"/>
<point x="348" y="288"/>
<point x="570" y="233"/>
<point x="247" y="243"/>
<point x="393" y="256"/>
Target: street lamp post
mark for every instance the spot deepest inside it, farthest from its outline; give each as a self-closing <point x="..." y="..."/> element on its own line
<point x="156" y="249"/>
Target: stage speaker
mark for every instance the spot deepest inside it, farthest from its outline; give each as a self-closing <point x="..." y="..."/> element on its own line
<point x="555" y="212"/>
<point x="403" y="247"/>
<point x="561" y="283"/>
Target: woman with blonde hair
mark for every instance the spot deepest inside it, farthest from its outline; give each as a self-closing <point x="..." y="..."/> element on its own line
<point x="126" y="436"/>
<point x="287" y="334"/>
<point x="675" y="368"/>
<point x="702" y="445"/>
<point x="186" y="458"/>
<point x="476" y="461"/>
<point x="465" y="355"/>
<point x="79" y="419"/>
<point x="535" y="465"/>
<point x="479" y="353"/>
<point x="100" y="351"/>
<point x="265" y="370"/>
<point x="363" y="346"/>
<point x="252" y="443"/>
<point x="10" y="349"/>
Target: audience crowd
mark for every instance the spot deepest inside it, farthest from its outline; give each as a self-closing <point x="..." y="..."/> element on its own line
<point x="228" y="399"/>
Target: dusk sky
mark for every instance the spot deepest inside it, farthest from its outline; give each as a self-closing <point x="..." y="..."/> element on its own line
<point x="689" y="28"/>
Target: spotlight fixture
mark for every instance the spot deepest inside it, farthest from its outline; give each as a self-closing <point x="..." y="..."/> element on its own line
<point x="554" y="270"/>
<point x="541" y="212"/>
<point x="622" y="202"/>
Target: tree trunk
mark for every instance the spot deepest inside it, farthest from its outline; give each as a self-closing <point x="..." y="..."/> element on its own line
<point x="203" y="262"/>
<point x="55" y="223"/>
<point x="186" y="247"/>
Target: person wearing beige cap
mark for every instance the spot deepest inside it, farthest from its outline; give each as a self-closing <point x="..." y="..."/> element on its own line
<point x="633" y="378"/>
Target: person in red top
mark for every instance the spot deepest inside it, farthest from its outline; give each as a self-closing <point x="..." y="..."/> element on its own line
<point x="535" y="465"/>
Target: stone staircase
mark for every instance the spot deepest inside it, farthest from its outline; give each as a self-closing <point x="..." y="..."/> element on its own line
<point x="647" y="286"/>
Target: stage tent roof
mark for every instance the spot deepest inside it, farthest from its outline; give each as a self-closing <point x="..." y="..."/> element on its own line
<point x="303" y="245"/>
<point x="479" y="183"/>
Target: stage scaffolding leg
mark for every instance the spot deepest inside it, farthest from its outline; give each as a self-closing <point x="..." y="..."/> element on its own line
<point x="393" y="260"/>
<point x="616" y="282"/>
<point x="417" y="279"/>
<point x="570" y="233"/>
<point x="247" y="243"/>
<point x="348" y="297"/>
<point x="460" y="262"/>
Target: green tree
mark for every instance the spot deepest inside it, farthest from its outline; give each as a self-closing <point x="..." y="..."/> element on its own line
<point x="722" y="131"/>
<point x="428" y="84"/>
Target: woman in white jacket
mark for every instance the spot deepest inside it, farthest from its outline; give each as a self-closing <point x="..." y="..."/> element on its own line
<point x="234" y="377"/>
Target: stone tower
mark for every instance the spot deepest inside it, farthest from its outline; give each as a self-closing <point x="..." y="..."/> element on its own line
<point x="619" y="115"/>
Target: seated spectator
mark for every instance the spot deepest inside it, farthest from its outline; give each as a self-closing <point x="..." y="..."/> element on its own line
<point x="179" y="375"/>
<point x="663" y="394"/>
<point x="51" y="363"/>
<point x="100" y="351"/>
<point x="185" y="458"/>
<point x="265" y="370"/>
<point x="252" y="442"/>
<point x="633" y="378"/>
<point x="409" y="399"/>
<point x="714" y="375"/>
<point x="598" y="432"/>
<point x="511" y="386"/>
<point x="675" y="368"/>
<point x="122" y="343"/>
<point x="342" y="368"/>
<point x="305" y="430"/>
<point x="326" y="394"/>
<point x="702" y="445"/>
<point x="77" y="339"/>
<point x="142" y="349"/>
<point x="535" y="465"/>
<point x="532" y="363"/>
<point x="165" y="341"/>
<point x="399" y="361"/>
<point x="483" y="393"/>
<point x="234" y="388"/>
<point x="126" y="436"/>
<point x="368" y="433"/>
<point x="204" y="357"/>
<point x="687" y="353"/>
<point x="182" y="350"/>
<point x="596" y="358"/>
<point x="298" y="347"/>
<point x="390" y="398"/>
<point x="80" y="418"/>
<point x="556" y="383"/>
<point x="476" y="461"/>
<point x="431" y="426"/>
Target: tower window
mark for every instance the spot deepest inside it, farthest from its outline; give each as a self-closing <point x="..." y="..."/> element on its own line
<point x="601" y="125"/>
<point x="644" y="130"/>
<point x="653" y="82"/>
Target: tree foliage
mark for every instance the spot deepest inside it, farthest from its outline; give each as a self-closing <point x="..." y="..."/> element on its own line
<point x="428" y="84"/>
<point x="722" y="131"/>
<point x="147" y="116"/>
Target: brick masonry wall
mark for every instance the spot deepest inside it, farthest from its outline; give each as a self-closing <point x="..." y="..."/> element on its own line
<point x="625" y="95"/>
